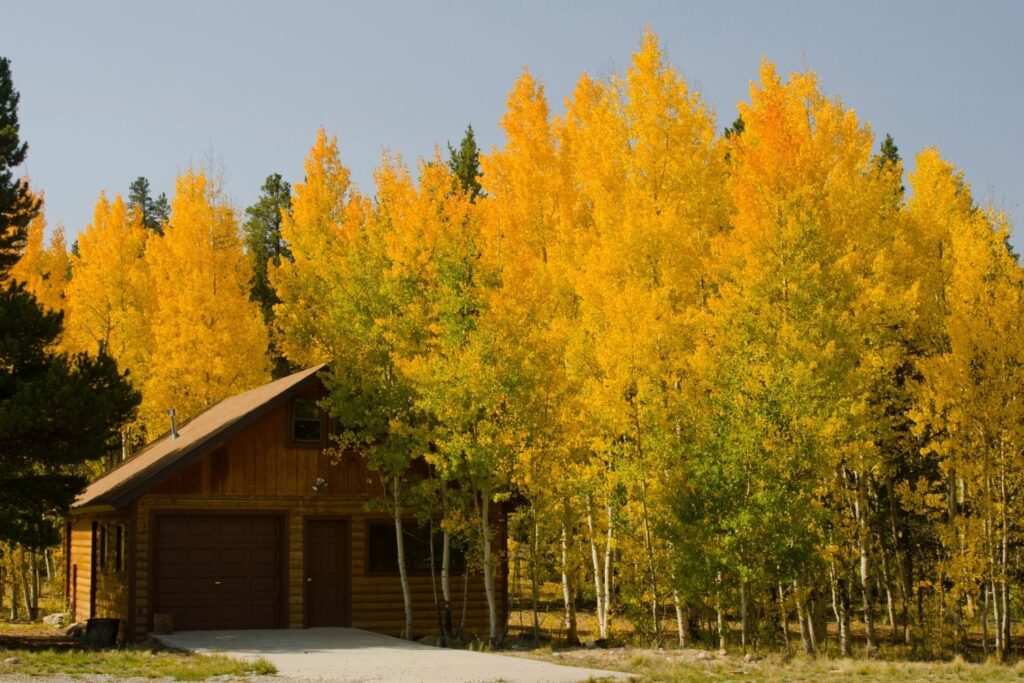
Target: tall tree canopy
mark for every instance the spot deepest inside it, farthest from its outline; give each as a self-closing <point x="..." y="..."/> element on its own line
<point x="209" y="340"/>
<point x="57" y="411"/>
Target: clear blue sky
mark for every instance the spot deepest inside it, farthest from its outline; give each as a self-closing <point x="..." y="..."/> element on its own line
<point x="114" y="90"/>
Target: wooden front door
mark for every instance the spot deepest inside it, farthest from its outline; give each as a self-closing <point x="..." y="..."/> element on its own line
<point x="326" y="553"/>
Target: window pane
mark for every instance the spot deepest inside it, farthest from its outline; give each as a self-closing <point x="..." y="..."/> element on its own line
<point x="307" y="420"/>
<point x="382" y="556"/>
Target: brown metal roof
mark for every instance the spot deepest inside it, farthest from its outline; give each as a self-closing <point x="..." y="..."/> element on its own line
<point x="165" y="456"/>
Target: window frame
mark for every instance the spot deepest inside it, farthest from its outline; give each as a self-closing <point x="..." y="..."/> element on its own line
<point x="119" y="546"/>
<point x="390" y="522"/>
<point x="325" y="424"/>
<point x="101" y="546"/>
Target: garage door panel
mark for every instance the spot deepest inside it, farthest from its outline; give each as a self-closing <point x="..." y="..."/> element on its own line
<point x="215" y="572"/>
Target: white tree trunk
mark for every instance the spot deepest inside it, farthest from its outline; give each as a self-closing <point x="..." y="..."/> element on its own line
<point x="402" y="571"/>
<point x="488" y="569"/>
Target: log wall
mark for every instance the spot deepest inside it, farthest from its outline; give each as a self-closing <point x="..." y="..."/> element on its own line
<point x="258" y="470"/>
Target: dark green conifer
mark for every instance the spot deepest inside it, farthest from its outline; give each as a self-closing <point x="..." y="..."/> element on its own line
<point x="465" y="164"/>
<point x="57" y="412"/>
<point x="265" y="247"/>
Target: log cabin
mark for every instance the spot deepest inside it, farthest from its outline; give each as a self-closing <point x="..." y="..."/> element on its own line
<point x="241" y="519"/>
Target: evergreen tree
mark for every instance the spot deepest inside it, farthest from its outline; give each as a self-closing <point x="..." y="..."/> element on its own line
<point x="56" y="411"/>
<point x="161" y="212"/>
<point x="465" y="164"/>
<point x="155" y="212"/>
<point x="264" y="244"/>
<point x="18" y="204"/>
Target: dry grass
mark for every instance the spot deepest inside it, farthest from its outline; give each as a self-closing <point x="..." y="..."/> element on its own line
<point x="142" y="663"/>
<point x="684" y="666"/>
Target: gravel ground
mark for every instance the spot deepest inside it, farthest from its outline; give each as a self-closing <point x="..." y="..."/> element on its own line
<point x="346" y="654"/>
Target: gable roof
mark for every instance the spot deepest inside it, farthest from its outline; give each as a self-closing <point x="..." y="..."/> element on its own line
<point x="159" y="460"/>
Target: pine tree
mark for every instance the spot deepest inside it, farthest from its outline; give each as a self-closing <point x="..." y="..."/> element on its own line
<point x="266" y="249"/>
<point x="57" y="411"/>
<point x="464" y="163"/>
<point x="154" y="213"/>
<point x="19" y="204"/>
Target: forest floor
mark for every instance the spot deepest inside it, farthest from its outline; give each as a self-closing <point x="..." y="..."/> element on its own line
<point x="670" y="663"/>
<point x="686" y="666"/>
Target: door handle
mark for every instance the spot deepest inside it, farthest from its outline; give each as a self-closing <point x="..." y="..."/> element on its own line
<point x="216" y="583"/>
<point x="309" y="579"/>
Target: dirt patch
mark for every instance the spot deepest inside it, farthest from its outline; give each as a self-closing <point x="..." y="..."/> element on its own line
<point x="34" y="637"/>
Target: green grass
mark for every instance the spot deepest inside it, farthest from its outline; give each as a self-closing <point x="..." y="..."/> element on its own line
<point x="130" y="662"/>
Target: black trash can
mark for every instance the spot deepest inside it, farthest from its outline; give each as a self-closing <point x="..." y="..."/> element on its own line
<point x="101" y="632"/>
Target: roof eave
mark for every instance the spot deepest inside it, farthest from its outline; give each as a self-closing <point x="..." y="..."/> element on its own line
<point x="120" y="497"/>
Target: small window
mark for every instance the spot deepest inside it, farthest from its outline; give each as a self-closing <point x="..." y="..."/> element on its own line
<point x="101" y="547"/>
<point x="382" y="550"/>
<point x="119" y="548"/>
<point x="307" y="421"/>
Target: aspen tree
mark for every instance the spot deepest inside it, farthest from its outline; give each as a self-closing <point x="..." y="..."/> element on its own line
<point x="109" y="296"/>
<point x="45" y="268"/>
<point x="109" y="299"/>
<point x="320" y="208"/>
<point x="209" y="341"/>
<point x="970" y="405"/>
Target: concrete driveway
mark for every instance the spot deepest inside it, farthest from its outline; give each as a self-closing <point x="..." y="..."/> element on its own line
<point x="349" y="654"/>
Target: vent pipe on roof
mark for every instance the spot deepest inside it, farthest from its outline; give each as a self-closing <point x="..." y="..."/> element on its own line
<point x="174" y="427"/>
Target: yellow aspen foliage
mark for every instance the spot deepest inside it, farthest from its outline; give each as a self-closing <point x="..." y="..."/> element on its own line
<point x="209" y="340"/>
<point x="110" y="294"/>
<point x="44" y="268"/>
<point x="321" y="207"/>
<point x="969" y="407"/>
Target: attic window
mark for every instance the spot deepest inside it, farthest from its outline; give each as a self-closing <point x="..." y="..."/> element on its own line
<point x="308" y="421"/>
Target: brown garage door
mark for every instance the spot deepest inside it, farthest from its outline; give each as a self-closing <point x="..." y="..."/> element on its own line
<point x="218" y="572"/>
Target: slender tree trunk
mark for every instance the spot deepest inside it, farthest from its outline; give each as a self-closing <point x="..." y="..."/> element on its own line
<point x="488" y="570"/>
<point x="568" y="589"/>
<point x="983" y="613"/>
<point x="446" y="570"/>
<point x="816" y="623"/>
<point x="803" y="618"/>
<point x="465" y="602"/>
<point x="783" y="616"/>
<point x="48" y="563"/>
<point x="23" y="570"/>
<point x="1004" y="547"/>
<point x="902" y="571"/>
<point x="890" y="608"/>
<point x="601" y="607"/>
<point x="841" y="608"/>
<point x="609" y="550"/>
<point x="403" y="573"/>
<point x="744" y="619"/>
<point x="438" y="612"/>
<point x="534" y="575"/>
<point x="723" y="627"/>
<point x="863" y="547"/>
<point x="12" y="576"/>
<point x="680" y="617"/>
<point x="33" y="560"/>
